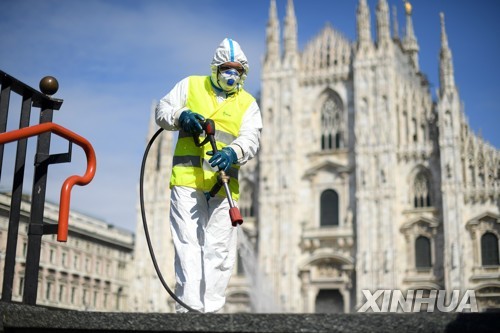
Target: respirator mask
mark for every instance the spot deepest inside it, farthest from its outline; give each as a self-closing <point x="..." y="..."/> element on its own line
<point x="228" y="78"/>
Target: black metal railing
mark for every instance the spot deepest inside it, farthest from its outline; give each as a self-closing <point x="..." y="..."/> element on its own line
<point x="37" y="228"/>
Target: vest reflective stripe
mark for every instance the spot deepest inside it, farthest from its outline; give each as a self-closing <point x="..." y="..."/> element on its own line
<point x="190" y="163"/>
<point x="194" y="161"/>
<point x="232" y="172"/>
<point x="220" y="136"/>
<point x="186" y="161"/>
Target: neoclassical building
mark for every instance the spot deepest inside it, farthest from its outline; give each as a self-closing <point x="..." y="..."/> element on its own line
<point x="364" y="180"/>
<point x="88" y="272"/>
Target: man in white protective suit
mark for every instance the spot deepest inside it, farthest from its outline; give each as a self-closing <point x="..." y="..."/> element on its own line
<point x="204" y="239"/>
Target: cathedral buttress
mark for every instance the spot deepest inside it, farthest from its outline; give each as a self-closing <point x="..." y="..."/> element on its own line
<point x="449" y="115"/>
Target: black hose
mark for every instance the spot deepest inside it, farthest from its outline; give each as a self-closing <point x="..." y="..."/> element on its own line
<point x="145" y="224"/>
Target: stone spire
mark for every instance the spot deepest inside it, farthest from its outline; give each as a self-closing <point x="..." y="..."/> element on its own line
<point x="446" y="72"/>
<point x="395" y="23"/>
<point x="363" y="25"/>
<point x="410" y="41"/>
<point x="273" y="35"/>
<point x="383" y="29"/>
<point x="290" y="31"/>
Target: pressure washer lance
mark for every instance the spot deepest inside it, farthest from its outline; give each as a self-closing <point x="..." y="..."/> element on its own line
<point x="222" y="179"/>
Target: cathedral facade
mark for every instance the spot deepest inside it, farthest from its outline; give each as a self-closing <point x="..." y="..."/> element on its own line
<point x="364" y="181"/>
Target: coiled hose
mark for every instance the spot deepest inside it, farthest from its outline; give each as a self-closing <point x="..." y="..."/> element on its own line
<point x="145" y="225"/>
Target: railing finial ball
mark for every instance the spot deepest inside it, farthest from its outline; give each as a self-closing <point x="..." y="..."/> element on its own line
<point x="49" y="85"/>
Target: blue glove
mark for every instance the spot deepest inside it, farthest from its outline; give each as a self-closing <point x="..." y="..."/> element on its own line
<point x="190" y="122"/>
<point x="223" y="158"/>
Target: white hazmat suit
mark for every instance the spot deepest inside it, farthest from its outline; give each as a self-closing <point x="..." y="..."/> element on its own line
<point x="205" y="241"/>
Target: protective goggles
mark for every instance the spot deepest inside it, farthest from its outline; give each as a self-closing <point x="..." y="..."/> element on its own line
<point x="223" y="68"/>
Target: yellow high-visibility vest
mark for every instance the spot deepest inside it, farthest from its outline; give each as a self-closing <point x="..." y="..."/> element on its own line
<point x="190" y="163"/>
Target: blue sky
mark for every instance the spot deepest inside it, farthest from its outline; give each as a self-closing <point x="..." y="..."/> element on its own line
<point x="114" y="58"/>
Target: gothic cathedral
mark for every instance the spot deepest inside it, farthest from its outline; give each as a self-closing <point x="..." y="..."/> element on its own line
<point x="363" y="181"/>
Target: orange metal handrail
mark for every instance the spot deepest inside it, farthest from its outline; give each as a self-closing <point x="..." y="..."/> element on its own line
<point x="23" y="133"/>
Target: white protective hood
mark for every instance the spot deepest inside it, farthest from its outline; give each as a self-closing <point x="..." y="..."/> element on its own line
<point x="228" y="51"/>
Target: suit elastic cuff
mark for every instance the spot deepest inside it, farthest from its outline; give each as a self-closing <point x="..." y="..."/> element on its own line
<point x="177" y="115"/>
<point x="238" y="150"/>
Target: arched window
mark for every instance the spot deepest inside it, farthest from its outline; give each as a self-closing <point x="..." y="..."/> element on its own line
<point x="332" y="123"/>
<point x="423" y="252"/>
<point x="421" y="191"/>
<point x="329" y="208"/>
<point x="329" y="301"/>
<point x="489" y="249"/>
